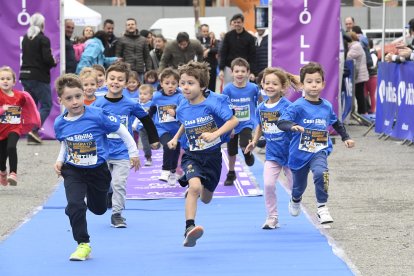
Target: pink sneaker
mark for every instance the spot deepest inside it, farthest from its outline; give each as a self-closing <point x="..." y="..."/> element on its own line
<point x="3" y="178"/>
<point x="12" y="179"/>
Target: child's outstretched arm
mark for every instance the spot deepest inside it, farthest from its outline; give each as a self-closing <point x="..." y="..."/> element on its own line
<point x="228" y="126"/>
<point x="257" y="134"/>
<point x="149" y="126"/>
<point x="340" y="128"/>
<point x="286" y="125"/>
<point x="131" y="146"/>
<point x="172" y="144"/>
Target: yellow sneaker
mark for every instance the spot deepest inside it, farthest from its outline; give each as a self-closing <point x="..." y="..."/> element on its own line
<point x="82" y="252"/>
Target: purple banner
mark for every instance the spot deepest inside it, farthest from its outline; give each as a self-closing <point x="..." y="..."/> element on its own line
<point x="15" y="18"/>
<point x="308" y="30"/>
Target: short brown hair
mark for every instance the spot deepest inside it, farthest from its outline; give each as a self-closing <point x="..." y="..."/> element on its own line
<point x="67" y="80"/>
<point x="240" y="62"/>
<point x="168" y="72"/>
<point x="311" y="68"/>
<point x="198" y="70"/>
<point x="121" y="67"/>
<point x="147" y="87"/>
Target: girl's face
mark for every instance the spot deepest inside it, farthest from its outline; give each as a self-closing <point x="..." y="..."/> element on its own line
<point x="89" y="87"/>
<point x="191" y="89"/>
<point x="72" y="100"/>
<point x="151" y="80"/>
<point x="88" y="32"/>
<point x="116" y="82"/>
<point x="7" y="81"/>
<point x="273" y="87"/>
<point x="101" y="77"/>
<point x="132" y="84"/>
<point x="145" y="96"/>
<point x="169" y="85"/>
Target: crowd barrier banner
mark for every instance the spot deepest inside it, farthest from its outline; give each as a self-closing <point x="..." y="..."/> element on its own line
<point x="304" y="31"/>
<point x="15" y="18"/>
<point x="347" y="89"/>
<point x="395" y="100"/>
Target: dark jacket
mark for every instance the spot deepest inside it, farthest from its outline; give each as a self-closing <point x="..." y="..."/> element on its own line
<point x="174" y="56"/>
<point x="212" y="54"/>
<point x="238" y="45"/>
<point x="37" y="59"/>
<point x="71" y="62"/>
<point x="110" y="47"/>
<point x="261" y="54"/>
<point x="133" y="48"/>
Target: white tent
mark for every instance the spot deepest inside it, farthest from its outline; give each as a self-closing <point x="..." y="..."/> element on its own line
<point x="80" y="14"/>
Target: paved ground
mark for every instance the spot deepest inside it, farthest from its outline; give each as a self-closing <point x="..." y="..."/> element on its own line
<point x="371" y="200"/>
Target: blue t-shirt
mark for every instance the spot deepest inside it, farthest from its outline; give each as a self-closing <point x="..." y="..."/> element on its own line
<point x="146" y="106"/>
<point x="126" y="109"/>
<point x="162" y="120"/>
<point x="134" y="95"/>
<point x="206" y="116"/>
<point x="277" y="141"/>
<point x="101" y="91"/>
<point x="315" y="118"/>
<point x="85" y="138"/>
<point x="244" y="102"/>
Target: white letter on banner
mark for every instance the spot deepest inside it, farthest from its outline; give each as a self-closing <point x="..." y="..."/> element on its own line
<point x="381" y="91"/>
<point x="401" y="92"/>
<point x="305" y="17"/>
<point x="303" y="46"/>
<point x="409" y="95"/>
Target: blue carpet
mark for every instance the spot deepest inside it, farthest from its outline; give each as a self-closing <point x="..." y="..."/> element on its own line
<point x="233" y="243"/>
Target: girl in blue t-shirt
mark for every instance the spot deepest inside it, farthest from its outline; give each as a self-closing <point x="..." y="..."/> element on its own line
<point x="275" y="82"/>
<point x="163" y="111"/>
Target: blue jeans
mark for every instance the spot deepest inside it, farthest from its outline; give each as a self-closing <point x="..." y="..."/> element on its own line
<point x="41" y="93"/>
<point x="319" y="167"/>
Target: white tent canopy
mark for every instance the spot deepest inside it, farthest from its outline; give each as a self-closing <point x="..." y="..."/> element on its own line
<point x="80" y="14"/>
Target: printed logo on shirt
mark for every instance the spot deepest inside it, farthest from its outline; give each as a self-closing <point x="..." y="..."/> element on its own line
<point x="164" y="113"/>
<point x="242" y="112"/>
<point x="12" y="115"/>
<point x="124" y="121"/>
<point x="312" y="140"/>
<point x="81" y="153"/>
<point x="193" y="134"/>
<point x="269" y="120"/>
<point x="319" y="122"/>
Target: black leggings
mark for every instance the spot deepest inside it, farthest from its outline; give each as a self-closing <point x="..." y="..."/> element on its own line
<point x="245" y="135"/>
<point x="8" y="148"/>
<point x="360" y="97"/>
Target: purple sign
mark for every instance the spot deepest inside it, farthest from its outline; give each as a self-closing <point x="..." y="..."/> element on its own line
<point x="15" y="18"/>
<point x="306" y="31"/>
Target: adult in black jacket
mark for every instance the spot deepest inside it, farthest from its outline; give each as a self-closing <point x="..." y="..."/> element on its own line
<point x="71" y="62"/>
<point x="237" y="43"/>
<point x="262" y="42"/>
<point x="37" y="60"/>
<point x="210" y="47"/>
<point x="108" y="27"/>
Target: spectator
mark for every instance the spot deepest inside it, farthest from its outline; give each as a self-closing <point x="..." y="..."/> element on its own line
<point x="236" y="43"/>
<point x="150" y="38"/>
<point x="356" y="53"/>
<point x="181" y="51"/>
<point x="37" y="60"/>
<point x="94" y="52"/>
<point x="349" y="23"/>
<point x="371" y="85"/>
<point x="156" y="53"/>
<point x="88" y="32"/>
<point x="69" y="51"/>
<point x="133" y="49"/>
<point x="262" y="42"/>
<point x="210" y="47"/>
<point x="108" y="27"/>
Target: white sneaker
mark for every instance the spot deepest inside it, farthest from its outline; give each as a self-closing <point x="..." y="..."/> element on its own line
<point x="148" y="163"/>
<point x="172" y="179"/>
<point x="323" y="215"/>
<point x="294" y="208"/>
<point x="271" y="223"/>
<point x="164" y="175"/>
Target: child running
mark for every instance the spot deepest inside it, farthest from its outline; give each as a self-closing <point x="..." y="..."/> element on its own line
<point x="164" y="105"/>
<point x="118" y="158"/>
<point x="207" y="120"/>
<point x="82" y="163"/>
<point x="90" y="83"/>
<point x="244" y="96"/>
<point x="12" y="103"/>
<point x="100" y="73"/>
<point x="131" y="89"/>
<point x="309" y="118"/>
<point x="275" y="82"/>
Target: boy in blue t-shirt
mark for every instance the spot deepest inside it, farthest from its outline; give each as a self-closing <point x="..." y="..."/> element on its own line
<point x="309" y="119"/>
<point x="163" y="111"/>
<point x="244" y="96"/>
<point x="83" y="131"/>
<point x="207" y="120"/>
<point x="118" y="159"/>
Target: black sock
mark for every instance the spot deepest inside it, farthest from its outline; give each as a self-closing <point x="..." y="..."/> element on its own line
<point x="231" y="173"/>
<point x="189" y="222"/>
<point x="296" y="200"/>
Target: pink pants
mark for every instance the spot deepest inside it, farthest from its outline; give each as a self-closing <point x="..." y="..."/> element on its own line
<point x="370" y="89"/>
<point x="271" y="174"/>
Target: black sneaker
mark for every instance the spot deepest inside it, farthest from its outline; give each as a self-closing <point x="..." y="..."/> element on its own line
<point x="192" y="234"/>
<point x="249" y="159"/>
<point x="118" y="221"/>
<point x="109" y="200"/>
<point x="231" y="176"/>
<point x="33" y="138"/>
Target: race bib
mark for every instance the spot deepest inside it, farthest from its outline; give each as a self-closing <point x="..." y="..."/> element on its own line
<point x="193" y="134"/>
<point x="312" y="140"/>
<point x="269" y="120"/>
<point x="81" y="153"/>
<point x="12" y="115"/>
<point x="164" y="116"/>
<point x="242" y="112"/>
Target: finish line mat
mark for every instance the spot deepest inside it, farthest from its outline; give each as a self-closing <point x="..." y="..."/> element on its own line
<point x="144" y="184"/>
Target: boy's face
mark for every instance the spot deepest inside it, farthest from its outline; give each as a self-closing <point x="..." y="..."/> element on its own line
<point x="150" y="79"/>
<point x="132" y="84"/>
<point x="190" y="87"/>
<point x="240" y="74"/>
<point x="169" y="85"/>
<point x="72" y="100"/>
<point x="313" y="85"/>
<point x="6" y="81"/>
<point x="116" y="81"/>
<point x="100" y="77"/>
<point x="145" y="96"/>
<point x="89" y="86"/>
